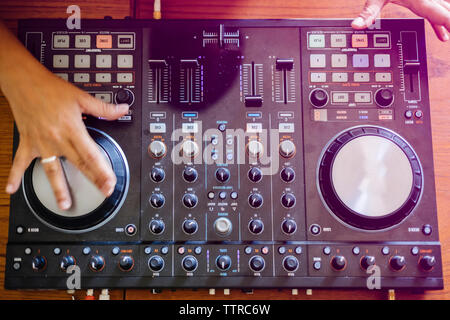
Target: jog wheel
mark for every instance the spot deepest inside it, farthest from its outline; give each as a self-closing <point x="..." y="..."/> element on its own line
<point x="90" y="208"/>
<point x="370" y="178"/>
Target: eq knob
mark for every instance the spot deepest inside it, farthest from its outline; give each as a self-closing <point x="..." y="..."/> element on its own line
<point x="255" y="148"/>
<point x="66" y="262"/>
<point x="222" y="174"/>
<point x="38" y="263"/>
<point x="287" y="174"/>
<point x="190" y="200"/>
<point x="189" y="263"/>
<point x="255" y="174"/>
<point x="223" y="262"/>
<point x="157" y="200"/>
<point x="287" y="149"/>
<point x="256" y="226"/>
<point x="318" y="98"/>
<point x="190" y="226"/>
<point x="190" y="174"/>
<point x="156" y="263"/>
<point x="126" y="263"/>
<point x="157" y="174"/>
<point x="223" y="226"/>
<point x="338" y="263"/>
<point x="289" y="226"/>
<point x="255" y="200"/>
<point x="384" y="97"/>
<point x="156" y="226"/>
<point x="290" y="263"/>
<point x="427" y="263"/>
<point x="288" y="200"/>
<point x="124" y="96"/>
<point x="397" y="263"/>
<point x="257" y="263"/>
<point x="157" y="149"/>
<point x="97" y="263"/>
<point x="190" y="148"/>
<point x="367" y="261"/>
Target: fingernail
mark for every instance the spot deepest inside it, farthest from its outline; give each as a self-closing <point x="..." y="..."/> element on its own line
<point x="359" y="22"/>
<point x="108" y="188"/>
<point x="446" y="38"/>
<point x="9" y="188"/>
<point x="65" y="204"/>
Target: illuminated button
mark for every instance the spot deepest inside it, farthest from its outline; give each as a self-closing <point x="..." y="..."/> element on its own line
<point x="106" y="97"/>
<point x="60" y="41"/>
<point x="60" y="61"/>
<point x="285" y="127"/>
<point x="381" y="41"/>
<point x="81" y="77"/>
<point x="103" y="77"/>
<point x="125" y="41"/>
<point x="339" y="97"/>
<point x="82" y="41"/>
<point x="362" y="97"/>
<point x="339" y="60"/>
<point x="318" y="76"/>
<point x="254" y="127"/>
<point x="361" y="77"/>
<point x="125" y="77"/>
<point x="383" y="77"/>
<point x="189" y="127"/>
<point x="339" y="77"/>
<point x="359" y="41"/>
<point x="103" y="61"/>
<point x="382" y="60"/>
<point x="125" y="61"/>
<point x="82" y="61"/>
<point x="317" y="41"/>
<point x="338" y="40"/>
<point x="104" y="41"/>
<point x="360" y="60"/>
<point x="157" y="127"/>
<point x="317" y="61"/>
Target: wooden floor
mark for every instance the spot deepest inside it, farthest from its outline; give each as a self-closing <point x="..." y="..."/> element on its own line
<point x="439" y="77"/>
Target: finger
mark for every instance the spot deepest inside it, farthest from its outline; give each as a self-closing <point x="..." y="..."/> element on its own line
<point x="368" y="15"/>
<point x="445" y="4"/>
<point x="21" y="161"/>
<point x="102" y="109"/>
<point x="436" y="13"/>
<point x="55" y="176"/>
<point x="441" y="32"/>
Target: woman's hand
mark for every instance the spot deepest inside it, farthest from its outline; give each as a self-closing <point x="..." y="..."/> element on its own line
<point x="437" y="12"/>
<point x="48" y="113"/>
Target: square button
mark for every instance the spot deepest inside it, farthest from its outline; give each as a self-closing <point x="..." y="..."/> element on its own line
<point x="362" y="97"/>
<point x="382" y="60"/>
<point x="104" y="41"/>
<point x="338" y="40"/>
<point x="317" y="61"/>
<point x="81" y="77"/>
<point x="339" y="60"/>
<point x="360" y="60"/>
<point x="339" y="97"/>
<point x="339" y="77"/>
<point x="317" y="41"/>
<point x="125" y="41"/>
<point x="124" y="77"/>
<point x="82" y="41"/>
<point x="361" y="77"/>
<point x="318" y="76"/>
<point x="103" y="77"/>
<point x="383" y="77"/>
<point x="103" y="61"/>
<point x="359" y="41"/>
<point x="125" y="61"/>
<point x="106" y="97"/>
<point x="61" y="41"/>
<point x="63" y="76"/>
<point x="60" y="61"/>
<point x="381" y="41"/>
<point x="82" y="61"/>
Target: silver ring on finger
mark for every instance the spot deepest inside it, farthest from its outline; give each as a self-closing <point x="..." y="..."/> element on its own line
<point x="48" y="159"/>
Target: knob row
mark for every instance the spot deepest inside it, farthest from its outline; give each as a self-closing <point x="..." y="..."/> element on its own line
<point x="96" y="263"/>
<point x="384" y="97"/>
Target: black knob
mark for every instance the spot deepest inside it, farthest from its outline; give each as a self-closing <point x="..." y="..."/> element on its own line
<point x="223" y="262"/>
<point x="97" y="263"/>
<point x="318" y="98"/>
<point x="287" y="174"/>
<point x="222" y="174"/>
<point x="190" y="200"/>
<point x="156" y="226"/>
<point x="38" y="263"/>
<point x="157" y="200"/>
<point x="156" y="263"/>
<point x="338" y="263"/>
<point x="189" y="263"/>
<point x="257" y="263"/>
<point x="124" y="96"/>
<point x="255" y="174"/>
<point x="384" y="97"/>
<point x="66" y="262"/>
<point x="288" y="200"/>
<point x="427" y="262"/>
<point x="397" y="263"/>
<point x="256" y="226"/>
<point x="190" y="226"/>
<point x="126" y="263"/>
<point x="289" y="226"/>
<point x="157" y="174"/>
<point x="190" y="174"/>
<point x="290" y="263"/>
<point x="367" y="261"/>
<point x="255" y="200"/>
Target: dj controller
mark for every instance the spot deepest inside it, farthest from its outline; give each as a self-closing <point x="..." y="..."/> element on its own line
<point x="256" y="154"/>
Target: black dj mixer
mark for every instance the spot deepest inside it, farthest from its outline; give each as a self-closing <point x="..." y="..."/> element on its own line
<point x="256" y="154"/>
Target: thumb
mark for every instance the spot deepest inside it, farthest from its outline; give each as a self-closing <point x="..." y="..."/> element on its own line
<point x="368" y="15"/>
<point x="102" y="109"/>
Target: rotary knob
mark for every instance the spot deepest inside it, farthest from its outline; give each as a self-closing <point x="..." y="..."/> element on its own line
<point x="189" y="263"/>
<point x="38" y="263"/>
<point x="190" y="174"/>
<point x="427" y="263"/>
<point x="157" y="149"/>
<point x="339" y="263"/>
<point x="126" y="263"/>
<point x="288" y="200"/>
<point x="255" y="174"/>
<point x="255" y="148"/>
<point x="124" y="96"/>
<point x="257" y="263"/>
<point x="287" y="149"/>
<point x="157" y="174"/>
<point x="156" y="226"/>
<point x="66" y="262"/>
<point x="190" y="148"/>
<point x="384" y="97"/>
<point x="290" y="263"/>
<point x="256" y="226"/>
<point x="397" y="263"/>
<point x="223" y="226"/>
<point x="367" y="261"/>
<point x="157" y="200"/>
<point x="289" y="226"/>
<point x="223" y="262"/>
<point x="190" y="226"/>
<point x="156" y="263"/>
<point x="318" y="98"/>
<point x="287" y="174"/>
<point x="255" y="200"/>
<point x="97" y="263"/>
<point x="222" y="174"/>
<point x="190" y="200"/>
